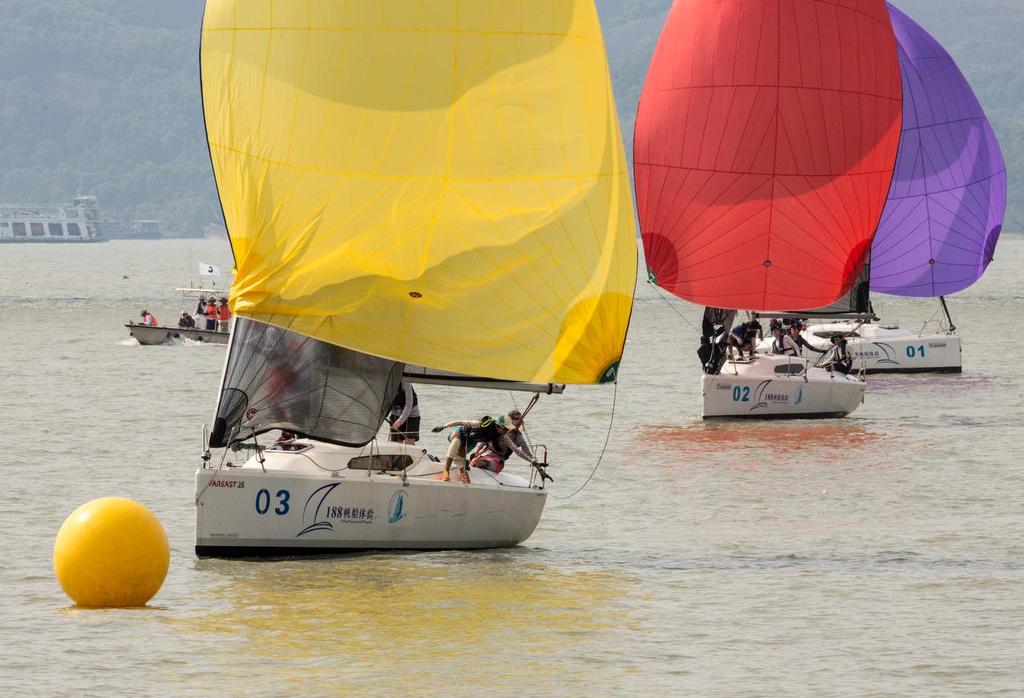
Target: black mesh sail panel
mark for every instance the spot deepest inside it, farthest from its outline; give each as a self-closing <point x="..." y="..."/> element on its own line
<point x="278" y="379"/>
<point x="856" y="302"/>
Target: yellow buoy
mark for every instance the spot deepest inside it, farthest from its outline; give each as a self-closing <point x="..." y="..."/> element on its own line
<point x="111" y="552"/>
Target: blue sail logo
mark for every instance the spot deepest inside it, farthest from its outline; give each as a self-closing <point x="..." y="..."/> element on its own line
<point x="396" y="507"/>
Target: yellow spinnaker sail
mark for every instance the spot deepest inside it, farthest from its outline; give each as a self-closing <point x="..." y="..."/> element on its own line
<point x="438" y="182"/>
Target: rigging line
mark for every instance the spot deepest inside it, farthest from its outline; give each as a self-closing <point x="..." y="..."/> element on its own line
<point x="604" y="449"/>
<point x="216" y="470"/>
<point x="928" y="322"/>
<point x="664" y="297"/>
<point x="324" y="468"/>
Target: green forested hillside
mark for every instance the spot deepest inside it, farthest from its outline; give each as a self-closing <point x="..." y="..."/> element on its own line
<point x="102" y="96"/>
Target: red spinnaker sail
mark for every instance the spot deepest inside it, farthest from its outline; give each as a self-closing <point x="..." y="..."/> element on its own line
<point x="765" y="143"/>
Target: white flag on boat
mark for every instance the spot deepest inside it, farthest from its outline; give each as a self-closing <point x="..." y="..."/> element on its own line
<point x="209" y="270"/>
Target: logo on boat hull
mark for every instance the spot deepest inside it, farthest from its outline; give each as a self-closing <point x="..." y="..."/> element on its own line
<point x="325" y="515"/>
<point x="396" y="507"/>
<point x="884" y="355"/>
<point x="319" y="523"/>
<point x="799" y="396"/>
<point x="763" y="398"/>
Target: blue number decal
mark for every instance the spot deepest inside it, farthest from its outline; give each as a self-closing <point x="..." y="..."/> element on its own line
<point x="915" y="351"/>
<point x="262" y="502"/>
<point x="741" y="394"/>
<point x="282" y="503"/>
<point x="736" y="394"/>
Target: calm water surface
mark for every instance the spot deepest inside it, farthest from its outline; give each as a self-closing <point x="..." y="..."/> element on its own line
<point x="876" y="555"/>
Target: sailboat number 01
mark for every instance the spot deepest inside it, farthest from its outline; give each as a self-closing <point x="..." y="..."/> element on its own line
<point x="263" y="502"/>
<point x="913" y="351"/>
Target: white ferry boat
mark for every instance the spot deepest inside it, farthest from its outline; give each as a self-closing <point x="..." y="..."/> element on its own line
<point x="78" y="222"/>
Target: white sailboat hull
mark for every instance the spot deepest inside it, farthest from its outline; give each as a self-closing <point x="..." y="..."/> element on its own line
<point x="289" y="506"/>
<point x="890" y="349"/>
<point x="757" y="390"/>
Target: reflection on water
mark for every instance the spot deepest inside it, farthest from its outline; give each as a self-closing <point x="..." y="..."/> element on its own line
<point x="781" y="438"/>
<point x="954" y="382"/>
<point x="483" y="618"/>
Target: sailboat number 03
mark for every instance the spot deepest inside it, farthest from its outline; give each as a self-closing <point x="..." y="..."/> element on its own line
<point x="263" y="502"/>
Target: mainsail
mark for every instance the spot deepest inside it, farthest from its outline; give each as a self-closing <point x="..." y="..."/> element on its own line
<point x="436" y="183"/>
<point x="279" y="379"/>
<point x="945" y="210"/>
<point x="764" y="147"/>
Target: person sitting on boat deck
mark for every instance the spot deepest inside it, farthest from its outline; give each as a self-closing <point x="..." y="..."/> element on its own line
<point x="465" y="437"/>
<point x="494" y="453"/>
<point x="404" y="416"/>
<point x="744" y="337"/>
<point x="211" y="314"/>
<point x="223" y="315"/>
<point x="839" y="357"/>
<point x="801" y="341"/>
<point x="186" y="321"/>
<point x="148" y="318"/>
<point x="782" y="343"/>
<point x="201" y="307"/>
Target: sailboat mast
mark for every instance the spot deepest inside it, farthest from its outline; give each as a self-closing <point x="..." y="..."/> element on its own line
<point x="949" y="318"/>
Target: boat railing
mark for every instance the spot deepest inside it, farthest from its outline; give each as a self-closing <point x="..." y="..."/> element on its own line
<point x="938" y="323"/>
<point x="539" y="470"/>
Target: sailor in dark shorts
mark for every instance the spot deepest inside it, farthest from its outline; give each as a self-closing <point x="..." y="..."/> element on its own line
<point x="404" y="416"/>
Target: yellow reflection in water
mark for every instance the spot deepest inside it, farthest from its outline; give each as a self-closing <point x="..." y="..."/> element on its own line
<point x="470" y="620"/>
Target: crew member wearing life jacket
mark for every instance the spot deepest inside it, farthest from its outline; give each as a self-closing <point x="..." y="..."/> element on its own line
<point x="494" y="453"/>
<point x="782" y="343"/>
<point x="467" y="434"/>
<point x="223" y="315"/>
<point x="211" y="314"/>
<point x="801" y="342"/>
<point x="840" y="358"/>
<point x="404" y="416"/>
<point x="148" y="318"/>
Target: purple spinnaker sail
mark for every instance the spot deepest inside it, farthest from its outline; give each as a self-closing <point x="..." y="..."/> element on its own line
<point x="948" y="195"/>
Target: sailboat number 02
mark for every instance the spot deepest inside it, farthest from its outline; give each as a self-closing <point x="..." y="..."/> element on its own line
<point x="263" y="502"/>
<point x="913" y="351"/>
<point x="741" y="394"/>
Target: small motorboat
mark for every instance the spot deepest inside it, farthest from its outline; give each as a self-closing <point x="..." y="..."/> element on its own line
<point x="149" y="335"/>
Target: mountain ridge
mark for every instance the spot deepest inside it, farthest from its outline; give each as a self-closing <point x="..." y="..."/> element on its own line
<point x="108" y="101"/>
